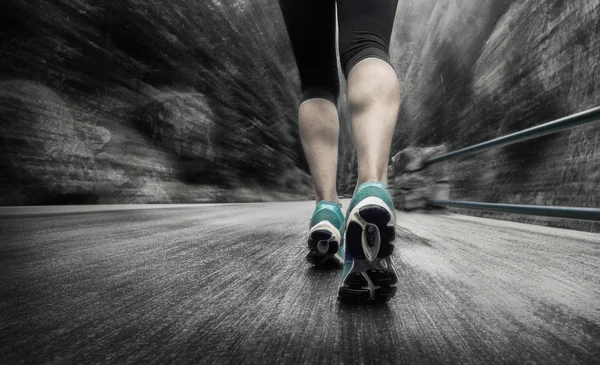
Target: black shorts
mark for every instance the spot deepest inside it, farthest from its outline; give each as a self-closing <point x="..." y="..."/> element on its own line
<point x="365" y="28"/>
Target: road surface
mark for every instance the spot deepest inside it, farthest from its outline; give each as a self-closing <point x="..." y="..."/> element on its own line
<point x="227" y="284"/>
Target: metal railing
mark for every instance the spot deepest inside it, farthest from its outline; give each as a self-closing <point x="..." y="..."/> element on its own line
<point x="555" y="126"/>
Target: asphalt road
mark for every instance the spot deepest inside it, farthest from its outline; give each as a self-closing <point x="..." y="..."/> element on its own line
<point x="227" y="284"/>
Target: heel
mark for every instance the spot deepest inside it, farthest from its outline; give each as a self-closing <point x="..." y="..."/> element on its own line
<point x="370" y="232"/>
<point x="323" y="244"/>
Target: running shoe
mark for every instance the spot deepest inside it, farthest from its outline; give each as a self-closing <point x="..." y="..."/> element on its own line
<point x="368" y="272"/>
<point x="325" y="235"/>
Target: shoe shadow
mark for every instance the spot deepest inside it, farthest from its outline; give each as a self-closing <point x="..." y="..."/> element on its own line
<point x="329" y="265"/>
<point x="322" y="278"/>
<point x="350" y="304"/>
<point x="369" y="330"/>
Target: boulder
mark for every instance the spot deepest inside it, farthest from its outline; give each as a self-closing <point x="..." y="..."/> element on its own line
<point x="43" y="153"/>
<point x="94" y="137"/>
<point x="414" y="199"/>
<point x="415" y="184"/>
<point x="182" y="123"/>
<point x="413" y="158"/>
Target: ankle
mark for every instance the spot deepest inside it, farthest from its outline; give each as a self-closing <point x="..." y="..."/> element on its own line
<point x="372" y="179"/>
<point x="360" y="181"/>
<point x="328" y="198"/>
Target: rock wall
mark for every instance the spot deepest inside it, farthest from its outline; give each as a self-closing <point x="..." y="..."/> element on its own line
<point x="143" y="101"/>
<point x="471" y="71"/>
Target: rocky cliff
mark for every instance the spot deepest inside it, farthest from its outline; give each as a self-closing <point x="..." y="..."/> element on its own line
<point x="472" y="71"/>
<point x="147" y="101"/>
<point x="152" y="101"/>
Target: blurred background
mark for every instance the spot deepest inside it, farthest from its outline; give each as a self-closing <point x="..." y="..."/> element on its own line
<point x="147" y="101"/>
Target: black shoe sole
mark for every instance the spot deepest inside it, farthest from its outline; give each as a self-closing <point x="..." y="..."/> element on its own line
<point x="323" y="259"/>
<point x="370" y="280"/>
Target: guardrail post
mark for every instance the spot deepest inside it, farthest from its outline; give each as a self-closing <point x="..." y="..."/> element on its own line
<point x="412" y="183"/>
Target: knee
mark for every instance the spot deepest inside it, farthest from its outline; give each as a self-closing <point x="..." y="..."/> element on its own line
<point x="371" y="82"/>
<point x="365" y="49"/>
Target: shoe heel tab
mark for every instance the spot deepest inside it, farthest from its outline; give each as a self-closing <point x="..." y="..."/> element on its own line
<point x="377" y="184"/>
<point x="327" y="203"/>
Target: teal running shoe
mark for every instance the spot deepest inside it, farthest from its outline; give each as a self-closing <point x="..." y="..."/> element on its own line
<point x="368" y="272"/>
<point x="325" y="235"/>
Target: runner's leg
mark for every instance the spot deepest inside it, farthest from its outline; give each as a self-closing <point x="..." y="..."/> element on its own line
<point x="311" y="28"/>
